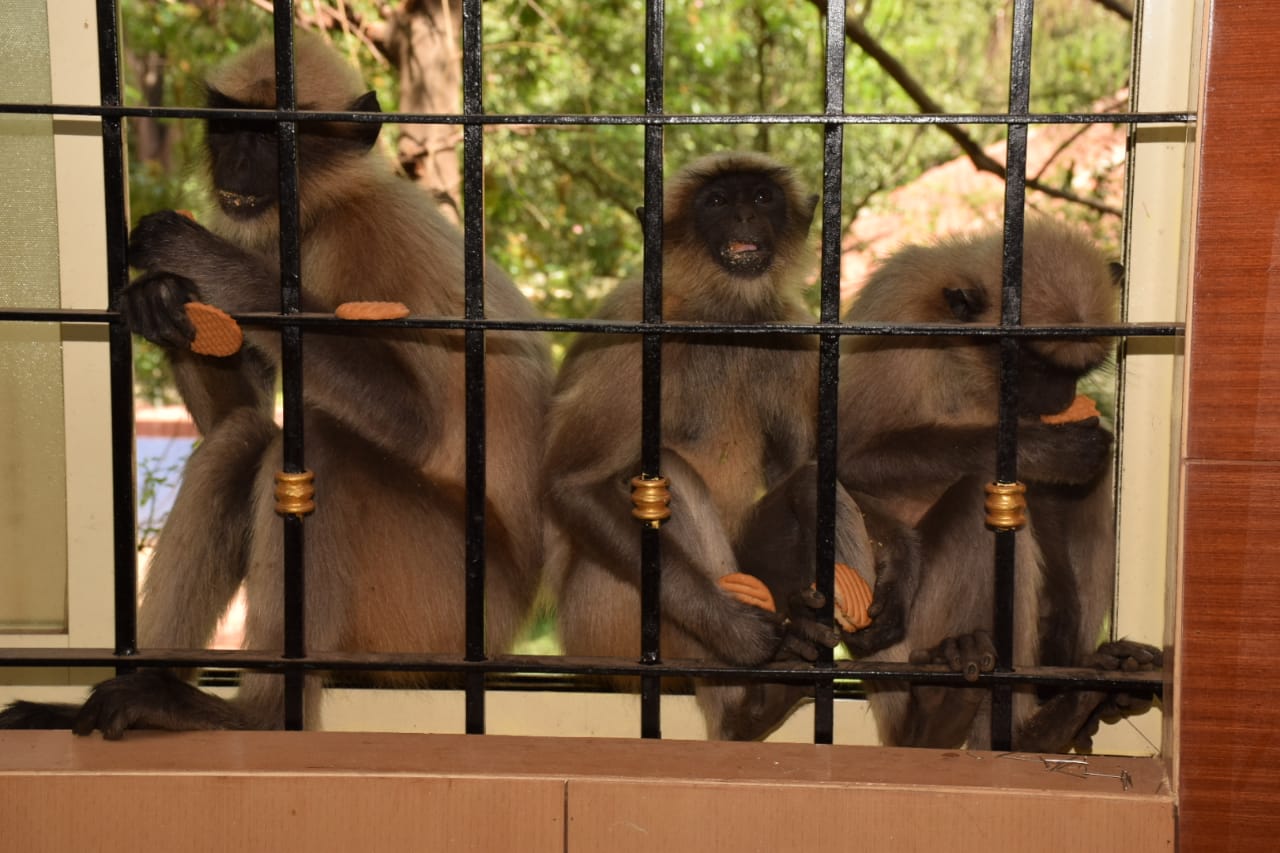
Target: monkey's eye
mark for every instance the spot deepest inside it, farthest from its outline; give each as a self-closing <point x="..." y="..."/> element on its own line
<point x="717" y="199"/>
<point x="764" y="195"/>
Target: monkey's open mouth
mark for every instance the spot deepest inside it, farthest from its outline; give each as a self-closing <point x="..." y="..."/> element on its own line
<point x="745" y="256"/>
<point x="238" y="204"/>
<point x="741" y="249"/>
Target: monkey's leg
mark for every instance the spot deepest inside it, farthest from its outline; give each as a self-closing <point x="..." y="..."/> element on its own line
<point x="947" y="622"/>
<point x="695" y="553"/>
<point x="778" y="545"/>
<point x="1070" y="719"/>
<point x="749" y="710"/>
<point x="201" y="555"/>
<point x="199" y="562"/>
<point x="933" y="457"/>
<point x="943" y="716"/>
<point x="213" y="535"/>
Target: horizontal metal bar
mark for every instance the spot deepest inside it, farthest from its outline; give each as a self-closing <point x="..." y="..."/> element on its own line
<point x="578" y="119"/>
<point x="1074" y="677"/>
<point x="311" y="320"/>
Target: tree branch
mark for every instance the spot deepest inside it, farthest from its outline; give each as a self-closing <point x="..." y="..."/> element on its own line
<point x="338" y="17"/>
<point x="1121" y="8"/>
<point x="856" y="33"/>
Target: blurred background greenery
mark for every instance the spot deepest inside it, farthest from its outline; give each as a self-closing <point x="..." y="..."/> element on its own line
<point x="560" y="201"/>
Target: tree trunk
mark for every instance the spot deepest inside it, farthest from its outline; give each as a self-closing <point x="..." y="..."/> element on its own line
<point x="424" y="43"/>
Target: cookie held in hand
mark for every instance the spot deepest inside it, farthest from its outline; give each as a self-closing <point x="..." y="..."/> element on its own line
<point x="853" y="599"/>
<point x="371" y="311"/>
<point x="748" y="589"/>
<point x="217" y="334"/>
<point x="1081" y="408"/>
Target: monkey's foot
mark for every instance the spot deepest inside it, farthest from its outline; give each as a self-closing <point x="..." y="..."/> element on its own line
<point x="748" y="589"/>
<point x="1126" y="656"/>
<point x="1119" y="656"/>
<point x="968" y="653"/>
<point x="152" y="699"/>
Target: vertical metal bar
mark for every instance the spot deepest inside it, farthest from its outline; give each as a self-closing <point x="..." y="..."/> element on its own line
<point x="651" y="373"/>
<point x="290" y="361"/>
<point x="473" y="258"/>
<point x="119" y="343"/>
<point x="829" y="355"/>
<point x="1011" y="314"/>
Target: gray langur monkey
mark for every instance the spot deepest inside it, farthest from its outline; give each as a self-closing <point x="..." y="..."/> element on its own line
<point x="382" y="409"/>
<point x="737" y="418"/>
<point x="917" y="418"/>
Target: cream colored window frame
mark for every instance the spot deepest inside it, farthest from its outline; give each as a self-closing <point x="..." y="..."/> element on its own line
<point x="1166" y="45"/>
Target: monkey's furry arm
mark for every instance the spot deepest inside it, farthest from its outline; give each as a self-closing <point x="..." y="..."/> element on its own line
<point x="695" y="551"/>
<point x="931" y="457"/>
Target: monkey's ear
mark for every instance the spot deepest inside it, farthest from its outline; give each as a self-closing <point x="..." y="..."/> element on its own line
<point x="1117" y="273"/>
<point x="966" y="303"/>
<point x="367" y="131"/>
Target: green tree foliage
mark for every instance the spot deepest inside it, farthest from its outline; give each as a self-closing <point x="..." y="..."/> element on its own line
<point x="560" y="200"/>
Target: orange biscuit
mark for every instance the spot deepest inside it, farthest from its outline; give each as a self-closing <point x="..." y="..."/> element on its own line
<point x="216" y="333"/>
<point x="1081" y="408"/>
<point x="853" y="599"/>
<point x="748" y="589"/>
<point x="371" y="311"/>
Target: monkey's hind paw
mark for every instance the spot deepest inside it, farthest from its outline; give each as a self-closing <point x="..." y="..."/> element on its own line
<point x="217" y="334"/>
<point x="371" y="311"/>
<point x="748" y="589"/>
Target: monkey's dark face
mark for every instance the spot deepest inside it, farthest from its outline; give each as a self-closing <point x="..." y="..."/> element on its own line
<point x="242" y="159"/>
<point x="1044" y="388"/>
<point x="243" y="153"/>
<point x="741" y="217"/>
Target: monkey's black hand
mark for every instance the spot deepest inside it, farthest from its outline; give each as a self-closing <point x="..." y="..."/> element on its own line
<point x="888" y="612"/>
<point x="804" y="634"/>
<point x="166" y="241"/>
<point x="151" y="699"/>
<point x="1071" y="453"/>
<point x="152" y="306"/>
<point x="971" y="654"/>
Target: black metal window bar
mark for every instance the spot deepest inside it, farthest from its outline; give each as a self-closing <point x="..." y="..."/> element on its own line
<point x="475" y="662"/>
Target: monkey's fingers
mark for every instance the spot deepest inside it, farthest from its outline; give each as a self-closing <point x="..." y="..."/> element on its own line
<point x="970" y="654"/>
<point x="976" y="655"/>
<point x="748" y="589"/>
<point x="950" y="654"/>
<point x="804" y="637"/>
<point x="808" y="598"/>
<point x="1128" y="655"/>
<point x="216" y="333"/>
